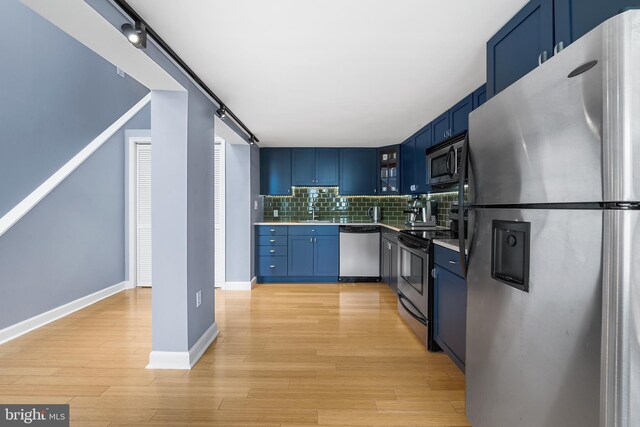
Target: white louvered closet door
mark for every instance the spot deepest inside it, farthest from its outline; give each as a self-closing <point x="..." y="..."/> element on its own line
<point x="143" y="214"/>
<point x="218" y="213"/>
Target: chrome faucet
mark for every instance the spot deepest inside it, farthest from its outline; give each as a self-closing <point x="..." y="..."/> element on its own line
<point x="313" y="208"/>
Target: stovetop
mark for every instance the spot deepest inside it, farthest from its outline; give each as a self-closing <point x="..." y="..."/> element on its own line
<point x="428" y="235"/>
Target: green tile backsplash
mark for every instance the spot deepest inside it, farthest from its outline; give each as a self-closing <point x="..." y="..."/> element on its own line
<point x="331" y="205"/>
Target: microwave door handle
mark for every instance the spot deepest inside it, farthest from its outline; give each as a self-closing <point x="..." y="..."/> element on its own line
<point x="451" y="162"/>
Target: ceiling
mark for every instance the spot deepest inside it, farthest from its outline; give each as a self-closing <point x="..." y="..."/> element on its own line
<point x="333" y="73"/>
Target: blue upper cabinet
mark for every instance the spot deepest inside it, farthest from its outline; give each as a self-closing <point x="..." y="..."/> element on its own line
<point x="275" y="171"/>
<point x="479" y="96"/>
<point x="575" y="18"/>
<point x="327" y="166"/>
<point x="441" y="128"/>
<point x="459" y="115"/>
<point x="303" y="166"/>
<point x="314" y="166"/>
<point x="423" y="141"/>
<point x="517" y="48"/>
<point x="358" y="175"/>
<point x="408" y="166"/>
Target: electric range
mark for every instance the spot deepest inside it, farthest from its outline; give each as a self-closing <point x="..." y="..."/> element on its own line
<point x="415" y="283"/>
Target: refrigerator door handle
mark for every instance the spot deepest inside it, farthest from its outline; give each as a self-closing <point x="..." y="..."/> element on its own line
<point x="461" y="208"/>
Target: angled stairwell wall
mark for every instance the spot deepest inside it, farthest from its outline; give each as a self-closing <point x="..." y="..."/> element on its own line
<point x="57" y="96"/>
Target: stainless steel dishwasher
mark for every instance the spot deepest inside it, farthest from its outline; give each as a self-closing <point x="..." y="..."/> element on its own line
<point x="359" y="253"/>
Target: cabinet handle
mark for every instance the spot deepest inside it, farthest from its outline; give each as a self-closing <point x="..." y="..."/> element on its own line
<point x="315" y="239"/>
<point x="542" y="58"/>
<point x="272" y="251"/>
<point x="558" y="48"/>
<point x="434" y="273"/>
<point x="272" y="266"/>
<point x="311" y="239"/>
<point x="313" y="231"/>
<point x="272" y="241"/>
<point x="389" y="245"/>
<point x="272" y="230"/>
<point x="452" y="262"/>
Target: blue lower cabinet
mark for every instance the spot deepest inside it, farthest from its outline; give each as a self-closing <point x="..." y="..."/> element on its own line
<point x="450" y="314"/>
<point x="297" y="253"/>
<point x="272" y="230"/>
<point x="271" y="266"/>
<point x="272" y="251"/>
<point x="272" y="240"/>
<point x="301" y="256"/>
<point x="313" y="230"/>
<point x="326" y="259"/>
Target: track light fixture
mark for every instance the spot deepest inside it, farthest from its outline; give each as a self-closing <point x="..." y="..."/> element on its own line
<point x="222" y="112"/>
<point x="252" y="140"/>
<point x="137" y="34"/>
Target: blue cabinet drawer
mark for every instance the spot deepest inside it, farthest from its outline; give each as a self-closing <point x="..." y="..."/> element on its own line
<point x="272" y="230"/>
<point x="272" y="240"/>
<point x="272" y="251"/>
<point x="448" y="259"/>
<point x="272" y="266"/>
<point x="313" y="230"/>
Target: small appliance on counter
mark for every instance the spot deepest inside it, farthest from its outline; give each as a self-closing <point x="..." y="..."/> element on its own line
<point x="375" y="213"/>
<point x="419" y="215"/>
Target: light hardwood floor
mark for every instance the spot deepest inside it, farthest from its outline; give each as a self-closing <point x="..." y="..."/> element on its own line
<point x="287" y="355"/>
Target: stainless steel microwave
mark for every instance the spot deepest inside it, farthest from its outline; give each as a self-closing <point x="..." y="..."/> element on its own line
<point x="444" y="162"/>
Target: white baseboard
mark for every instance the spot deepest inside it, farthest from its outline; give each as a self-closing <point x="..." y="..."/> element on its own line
<point x="14" y="331"/>
<point x="169" y="360"/>
<point x="239" y="286"/>
<point x="183" y="359"/>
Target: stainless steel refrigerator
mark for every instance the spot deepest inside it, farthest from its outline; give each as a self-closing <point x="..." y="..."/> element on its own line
<point x="553" y="309"/>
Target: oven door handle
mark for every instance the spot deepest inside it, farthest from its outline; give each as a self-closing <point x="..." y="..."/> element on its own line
<point x="410" y="245"/>
<point x="401" y="299"/>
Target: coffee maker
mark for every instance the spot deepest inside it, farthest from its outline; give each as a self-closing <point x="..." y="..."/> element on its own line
<point x="421" y="214"/>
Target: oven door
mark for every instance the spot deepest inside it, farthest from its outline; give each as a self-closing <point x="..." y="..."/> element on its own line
<point x="413" y="283"/>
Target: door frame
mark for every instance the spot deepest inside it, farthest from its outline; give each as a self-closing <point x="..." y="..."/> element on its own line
<point x="223" y="223"/>
<point x="132" y="179"/>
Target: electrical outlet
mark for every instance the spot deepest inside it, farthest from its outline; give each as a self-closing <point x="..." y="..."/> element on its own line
<point x="256" y="206"/>
<point x="198" y="298"/>
<point x="275" y="213"/>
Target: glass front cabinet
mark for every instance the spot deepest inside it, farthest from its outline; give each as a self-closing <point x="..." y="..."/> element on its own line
<point x="388" y="170"/>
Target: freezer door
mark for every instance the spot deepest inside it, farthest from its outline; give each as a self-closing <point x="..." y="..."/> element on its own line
<point x="540" y="140"/>
<point x="533" y="352"/>
<point x="568" y="132"/>
<point x="621" y="320"/>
